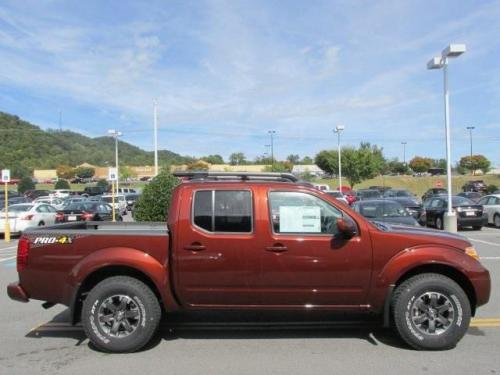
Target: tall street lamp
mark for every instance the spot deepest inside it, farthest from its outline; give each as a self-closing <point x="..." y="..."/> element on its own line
<point x="115" y="134"/>
<point x="337" y="130"/>
<point x="404" y="143"/>
<point x="155" y="136"/>
<point x="271" y="133"/>
<point x="470" y="129"/>
<point x="453" y="50"/>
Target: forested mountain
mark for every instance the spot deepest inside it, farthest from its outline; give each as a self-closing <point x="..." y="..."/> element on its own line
<point x="24" y="147"/>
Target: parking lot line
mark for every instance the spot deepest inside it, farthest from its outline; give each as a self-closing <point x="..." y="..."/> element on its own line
<point x="8" y="248"/>
<point x="485" y="322"/>
<point x="6" y="259"/>
<point x="485" y="242"/>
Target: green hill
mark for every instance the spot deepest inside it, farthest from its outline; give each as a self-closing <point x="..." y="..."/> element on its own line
<point x="24" y="147"/>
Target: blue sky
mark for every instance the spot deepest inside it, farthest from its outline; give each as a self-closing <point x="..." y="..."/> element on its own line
<point x="225" y="72"/>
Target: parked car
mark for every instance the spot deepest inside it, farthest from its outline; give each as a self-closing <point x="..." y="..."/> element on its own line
<point x="351" y="197"/>
<point x="337" y="195"/>
<point x="120" y="202"/>
<point x="469" y="213"/>
<point x="316" y="255"/>
<point x="433" y="192"/>
<point x="364" y="194"/>
<point x="131" y="199"/>
<point x="14" y="200"/>
<point x="408" y="200"/>
<point x="476" y="185"/>
<point x="125" y="190"/>
<point x="94" y="190"/>
<point x="60" y="193"/>
<point x="472" y="195"/>
<point x="57" y="203"/>
<point x="87" y="211"/>
<point x="386" y="211"/>
<point x="27" y="215"/>
<point x="321" y="187"/>
<point x="34" y="194"/>
<point x="380" y="188"/>
<point x="69" y="201"/>
<point x="491" y="207"/>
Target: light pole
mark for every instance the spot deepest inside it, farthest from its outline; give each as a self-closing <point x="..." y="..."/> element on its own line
<point x="337" y="130"/>
<point x="470" y="129"/>
<point x="115" y="134"/>
<point x="453" y="50"/>
<point x="155" y="124"/>
<point x="271" y="133"/>
<point x="404" y="143"/>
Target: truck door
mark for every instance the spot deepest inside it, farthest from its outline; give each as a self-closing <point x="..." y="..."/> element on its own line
<point x="214" y="240"/>
<point x="305" y="261"/>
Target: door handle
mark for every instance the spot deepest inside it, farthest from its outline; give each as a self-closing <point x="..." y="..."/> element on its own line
<point x="194" y="247"/>
<point x="277" y="248"/>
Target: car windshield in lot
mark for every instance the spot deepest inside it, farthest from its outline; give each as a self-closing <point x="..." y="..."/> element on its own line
<point x="461" y="201"/>
<point x="81" y="206"/>
<point x="397" y="193"/>
<point x="381" y="209"/>
<point x="369" y="194"/>
<point x="110" y="199"/>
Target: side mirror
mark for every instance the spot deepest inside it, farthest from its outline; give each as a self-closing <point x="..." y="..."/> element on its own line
<point x="347" y="227"/>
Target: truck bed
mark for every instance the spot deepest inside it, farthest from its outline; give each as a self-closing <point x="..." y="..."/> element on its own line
<point x="103" y="227"/>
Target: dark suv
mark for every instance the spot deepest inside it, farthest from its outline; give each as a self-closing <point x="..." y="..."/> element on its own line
<point x="477" y="186"/>
<point x="94" y="190"/>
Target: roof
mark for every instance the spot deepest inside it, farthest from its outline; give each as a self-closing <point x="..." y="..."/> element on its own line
<point x="302" y="168"/>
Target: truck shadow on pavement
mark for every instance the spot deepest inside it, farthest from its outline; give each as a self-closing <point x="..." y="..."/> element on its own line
<point x="244" y="326"/>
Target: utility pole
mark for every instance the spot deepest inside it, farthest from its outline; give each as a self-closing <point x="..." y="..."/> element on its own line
<point x="471" y="128"/>
<point x="115" y="134"/>
<point x="155" y="121"/>
<point x="404" y="152"/>
<point x="337" y="130"/>
<point x="271" y="133"/>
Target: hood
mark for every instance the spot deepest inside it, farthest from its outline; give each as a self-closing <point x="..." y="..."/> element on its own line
<point x="401" y="220"/>
<point x="406" y="201"/>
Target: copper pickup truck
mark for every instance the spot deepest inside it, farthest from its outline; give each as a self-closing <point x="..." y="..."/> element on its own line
<point x="240" y="241"/>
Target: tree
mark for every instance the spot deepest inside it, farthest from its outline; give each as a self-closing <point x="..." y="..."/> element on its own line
<point x="293" y="158"/>
<point x="237" y="158"/>
<point x="357" y="164"/>
<point x="199" y="165"/>
<point x="263" y="160"/>
<point x="25" y="184"/>
<point x="85" y="172"/>
<point x="439" y="163"/>
<point x="126" y="173"/>
<point x="65" y="171"/>
<point x="420" y="165"/>
<point x="62" y="184"/>
<point x="306" y="161"/>
<point x="279" y="167"/>
<point x="154" y="201"/>
<point x="103" y="183"/>
<point x="213" y="159"/>
<point x="476" y="162"/>
<point x="395" y="166"/>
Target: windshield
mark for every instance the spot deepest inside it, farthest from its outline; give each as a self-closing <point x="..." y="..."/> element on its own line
<point x="80" y="206"/>
<point x="397" y="193"/>
<point x="382" y="209"/>
<point x="461" y="201"/>
<point x="369" y="194"/>
<point x="110" y="199"/>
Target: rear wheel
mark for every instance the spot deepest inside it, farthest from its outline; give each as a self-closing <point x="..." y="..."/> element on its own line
<point x="431" y="312"/>
<point x="496" y="220"/>
<point x="120" y="314"/>
<point x="477" y="227"/>
<point x="439" y="223"/>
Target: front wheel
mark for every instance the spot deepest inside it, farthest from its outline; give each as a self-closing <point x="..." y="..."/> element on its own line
<point x="496" y="220"/>
<point x="120" y="314"/>
<point x="431" y="312"/>
<point x="439" y="223"/>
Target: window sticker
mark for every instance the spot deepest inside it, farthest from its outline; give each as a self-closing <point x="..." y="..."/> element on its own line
<point x="300" y="219"/>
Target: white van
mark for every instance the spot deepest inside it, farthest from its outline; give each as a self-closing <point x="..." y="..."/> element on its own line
<point x="120" y="202"/>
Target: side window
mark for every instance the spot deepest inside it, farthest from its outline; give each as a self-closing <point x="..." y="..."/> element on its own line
<point x="223" y="211"/>
<point x="42" y="208"/>
<point x="483" y="201"/>
<point x="51" y="209"/>
<point x="295" y="212"/>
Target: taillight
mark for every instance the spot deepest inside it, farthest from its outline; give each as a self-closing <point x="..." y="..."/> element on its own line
<point x="26" y="217"/>
<point x="23" y="249"/>
<point x="59" y="216"/>
<point x="87" y="216"/>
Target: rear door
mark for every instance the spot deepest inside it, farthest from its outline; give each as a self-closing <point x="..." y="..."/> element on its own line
<point x="305" y="261"/>
<point x="213" y="245"/>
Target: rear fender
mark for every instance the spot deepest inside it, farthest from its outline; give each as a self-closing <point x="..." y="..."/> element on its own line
<point x="126" y="257"/>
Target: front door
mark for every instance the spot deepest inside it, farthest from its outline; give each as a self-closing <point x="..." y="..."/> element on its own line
<point x="212" y="256"/>
<point x="305" y="261"/>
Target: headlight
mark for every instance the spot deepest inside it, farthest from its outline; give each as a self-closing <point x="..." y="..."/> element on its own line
<point x="470" y="251"/>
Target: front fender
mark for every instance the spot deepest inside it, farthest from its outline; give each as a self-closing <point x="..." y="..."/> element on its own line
<point x="419" y="256"/>
<point x="131" y="258"/>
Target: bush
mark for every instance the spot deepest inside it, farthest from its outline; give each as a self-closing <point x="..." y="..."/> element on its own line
<point x="62" y="184"/>
<point x="490" y="189"/>
<point x="103" y="183"/>
<point x="154" y="202"/>
<point x="25" y="184"/>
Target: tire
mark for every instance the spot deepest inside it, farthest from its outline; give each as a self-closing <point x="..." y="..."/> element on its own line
<point x="439" y="223"/>
<point x="496" y="220"/>
<point x="439" y="291"/>
<point x="477" y="227"/>
<point x="113" y="299"/>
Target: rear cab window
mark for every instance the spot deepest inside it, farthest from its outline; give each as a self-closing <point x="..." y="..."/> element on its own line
<point x="223" y="211"/>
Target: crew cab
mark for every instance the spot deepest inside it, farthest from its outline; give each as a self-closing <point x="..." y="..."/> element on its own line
<point x="243" y="241"/>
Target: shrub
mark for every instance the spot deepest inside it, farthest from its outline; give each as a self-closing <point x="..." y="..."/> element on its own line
<point x="25" y="184"/>
<point x="490" y="189"/>
<point x="154" y="202"/>
<point x="62" y="184"/>
<point x="103" y="183"/>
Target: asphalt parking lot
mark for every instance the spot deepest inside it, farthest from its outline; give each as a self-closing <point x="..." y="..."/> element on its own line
<point x="38" y="341"/>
